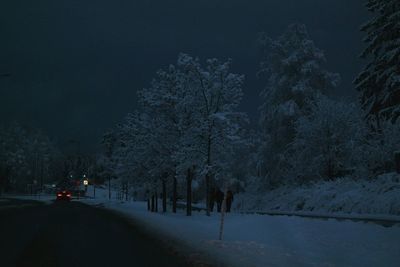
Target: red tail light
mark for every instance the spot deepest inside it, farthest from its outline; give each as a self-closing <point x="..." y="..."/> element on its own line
<point x="59" y="195"/>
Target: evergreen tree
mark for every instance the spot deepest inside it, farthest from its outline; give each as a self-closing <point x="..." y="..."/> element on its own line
<point x="295" y="76"/>
<point x="379" y="82"/>
<point x="329" y="141"/>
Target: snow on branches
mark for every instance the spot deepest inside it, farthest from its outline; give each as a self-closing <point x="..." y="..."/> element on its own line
<point x="328" y="141"/>
<point x="187" y="123"/>
<point x="292" y="65"/>
<point x="379" y="82"/>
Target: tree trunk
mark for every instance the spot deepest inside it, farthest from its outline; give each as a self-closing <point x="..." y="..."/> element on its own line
<point x="223" y="209"/>
<point x="1" y="182"/>
<point x="397" y="161"/>
<point x="126" y="191"/>
<point x="189" y="193"/>
<point x="41" y="176"/>
<point x="109" y="188"/>
<point x="208" y="176"/>
<point x="148" y="204"/>
<point x="152" y="203"/>
<point x="175" y="195"/>
<point x="208" y="194"/>
<point x="164" y="195"/>
<point x="378" y="122"/>
<point x="156" y="201"/>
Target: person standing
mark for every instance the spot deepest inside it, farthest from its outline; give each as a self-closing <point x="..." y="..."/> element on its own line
<point x="229" y="200"/>
<point x="212" y="198"/>
<point x="219" y="196"/>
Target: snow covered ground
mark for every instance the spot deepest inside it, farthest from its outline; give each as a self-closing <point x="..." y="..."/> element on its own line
<point x="46" y="198"/>
<point x="260" y="240"/>
<point x="377" y="197"/>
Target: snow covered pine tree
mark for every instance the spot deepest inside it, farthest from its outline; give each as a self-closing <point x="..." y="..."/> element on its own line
<point x="379" y="82"/>
<point x="295" y="76"/>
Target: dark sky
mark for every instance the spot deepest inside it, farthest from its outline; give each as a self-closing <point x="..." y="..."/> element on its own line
<point x="76" y="65"/>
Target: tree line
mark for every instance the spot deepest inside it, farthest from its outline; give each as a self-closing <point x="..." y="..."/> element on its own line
<point x="28" y="159"/>
<point x="188" y="129"/>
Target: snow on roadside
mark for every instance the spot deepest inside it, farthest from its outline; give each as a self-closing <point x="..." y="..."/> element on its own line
<point x="48" y="199"/>
<point x="380" y="196"/>
<point x="257" y="240"/>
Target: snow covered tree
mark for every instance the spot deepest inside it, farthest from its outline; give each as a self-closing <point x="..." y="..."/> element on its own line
<point x="239" y="167"/>
<point x="141" y="153"/>
<point x="295" y="76"/>
<point x="160" y="101"/>
<point x="110" y="157"/>
<point x="379" y="152"/>
<point x="213" y="125"/>
<point x="379" y="82"/>
<point x="27" y="156"/>
<point x="136" y="153"/>
<point x="328" y="141"/>
<point x="186" y="126"/>
<point x="42" y="155"/>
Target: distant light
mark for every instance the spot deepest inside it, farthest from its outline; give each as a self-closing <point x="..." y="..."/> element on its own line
<point x="85" y="182"/>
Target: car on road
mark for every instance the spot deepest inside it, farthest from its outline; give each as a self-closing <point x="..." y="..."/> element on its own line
<point x="64" y="195"/>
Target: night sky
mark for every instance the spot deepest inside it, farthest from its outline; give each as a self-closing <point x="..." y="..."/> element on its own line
<point x="76" y="65"/>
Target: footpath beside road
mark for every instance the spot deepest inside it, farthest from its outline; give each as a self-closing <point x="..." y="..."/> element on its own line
<point x="265" y="240"/>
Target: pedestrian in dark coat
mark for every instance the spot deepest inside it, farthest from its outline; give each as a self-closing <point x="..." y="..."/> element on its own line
<point x="219" y="196"/>
<point x="229" y="200"/>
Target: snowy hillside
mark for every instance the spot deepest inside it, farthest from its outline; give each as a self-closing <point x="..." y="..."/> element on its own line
<point x="341" y="196"/>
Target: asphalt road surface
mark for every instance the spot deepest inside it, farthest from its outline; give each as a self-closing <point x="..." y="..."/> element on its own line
<point x="73" y="234"/>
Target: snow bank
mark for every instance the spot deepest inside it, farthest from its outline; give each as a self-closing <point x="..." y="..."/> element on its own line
<point x="259" y="240"/>
<point x="380" y="196"/>
<point x="45" y="198"/>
